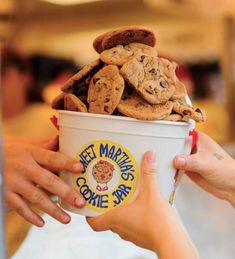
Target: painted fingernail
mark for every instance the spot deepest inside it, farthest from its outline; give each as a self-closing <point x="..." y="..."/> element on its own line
<point x="151" y="156"/>
<point x="77" y="167"/>
<point x="79" y="202"/>
<point x="180" y="161"/>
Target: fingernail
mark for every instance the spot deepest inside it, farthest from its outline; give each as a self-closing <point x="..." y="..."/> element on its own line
<point x="151" y="156"/>
<point x="66" y="218"/>
<point x="77" y="167"/>
<point x="79" y="202"/>
<point x="180" y="161"/>
<point x="40" y="223"/>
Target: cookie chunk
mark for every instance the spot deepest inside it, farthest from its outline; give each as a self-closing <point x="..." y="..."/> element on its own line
<point x="189" y="112"/>
<point x="73" y="103"/>
<point x="136" y="107"/>
<point x="152" y="77"/>
<point x="105" y="90"/>
<point x="58" y="102"/>
<point x="121" y="54"/>
<point x="78" y="84"/>
<point x="180" y="91"/>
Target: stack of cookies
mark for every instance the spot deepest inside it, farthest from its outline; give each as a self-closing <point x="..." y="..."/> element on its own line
<point x="128" y="79"/>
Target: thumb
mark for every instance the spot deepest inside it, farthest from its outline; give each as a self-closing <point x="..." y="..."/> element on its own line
<point x="148" y="171"/>
<point x="100" y="223"/>
<point x="191" y="163"/>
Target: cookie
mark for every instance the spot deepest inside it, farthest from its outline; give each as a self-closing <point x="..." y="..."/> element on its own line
<point x="136" y="107"/>
<point x="127" y="35"/>
<point x="58" y="102"/>
<point x="73" y="103"/>
<point x="152" y="77"/>
<point x="121" y="54"/>
<point x="78" y="84"/>
<point x="105" y="90"/>
<point x="199" y="115"/>
<point x="189" y="112"/>
<point x="173" y="117"/>
<point x="180" y="91"/>
<point x="102" y="171"/>
<point x="97" y="43"/>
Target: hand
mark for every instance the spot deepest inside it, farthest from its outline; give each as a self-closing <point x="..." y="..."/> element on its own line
<point x="28" y="175"/>
<point x="148" y="221"/>
<point x="211" y="168"/>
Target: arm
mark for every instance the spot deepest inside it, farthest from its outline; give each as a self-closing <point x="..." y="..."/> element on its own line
<point x="211" y="168"/>
<point x="148" y="221"/>
<point x="29" y="175"/>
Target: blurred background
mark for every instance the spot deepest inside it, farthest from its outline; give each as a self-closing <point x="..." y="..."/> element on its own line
<point x="49" y="40"/>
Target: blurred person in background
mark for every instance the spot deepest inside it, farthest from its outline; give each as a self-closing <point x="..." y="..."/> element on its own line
<point x="200" y="88"/>
<point x="186" y="78"/>
<point x="22" y="118"/>
<point x="206" y="94"/>
<point x="60" y="72"/>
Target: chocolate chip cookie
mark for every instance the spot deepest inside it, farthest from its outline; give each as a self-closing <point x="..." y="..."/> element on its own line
<point x="152" y="77"/>
<point x="73" y="103"/>
<point x="124" y="36"/>
<point x="174" y="117"/>
<point x="58" y="102"/>
<point x="78" y="84"/>
<point x="189" y="112"/>
<point x="180" y="91"/>
<point x="105" y="90"/>
<point x="97" y="43"/>
<point x="136" y="107"/>
<point x="121" y="54"/>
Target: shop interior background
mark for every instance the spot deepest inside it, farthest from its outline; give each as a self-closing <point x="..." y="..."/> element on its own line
<point x="199" y="35"/>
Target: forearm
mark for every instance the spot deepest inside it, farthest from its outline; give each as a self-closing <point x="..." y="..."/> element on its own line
<point x="19" y="139"/>
<point x="177" y="245"/>
<point x="231" y="196"/>
<point x="175" y="242"/>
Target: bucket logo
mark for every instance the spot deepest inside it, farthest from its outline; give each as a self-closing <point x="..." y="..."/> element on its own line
<point x="102" y="173"/>
<point x="110" y="175"/>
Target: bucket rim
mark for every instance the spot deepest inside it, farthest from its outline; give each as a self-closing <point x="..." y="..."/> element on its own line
<point x="123" y="118"/>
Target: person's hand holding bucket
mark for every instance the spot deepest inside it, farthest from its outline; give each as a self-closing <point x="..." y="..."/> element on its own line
<point x="148" y="221"/>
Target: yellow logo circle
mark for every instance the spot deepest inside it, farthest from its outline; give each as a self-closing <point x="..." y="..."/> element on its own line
<point x="110" y="175"/>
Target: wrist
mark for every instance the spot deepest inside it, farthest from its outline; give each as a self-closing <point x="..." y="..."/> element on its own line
<point x="230" y="197"/>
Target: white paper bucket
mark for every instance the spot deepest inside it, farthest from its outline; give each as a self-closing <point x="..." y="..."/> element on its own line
<point x="110" y="149"/>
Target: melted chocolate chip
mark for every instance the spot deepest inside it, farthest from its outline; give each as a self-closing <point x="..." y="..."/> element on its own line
<point x="130" y="34"/>
<point x="95" y="80"/>
<point x="164" y="84"/>
<point x="142" y="57"/>
<point x="198" y="110"/>
<point x="106" y="100"/>
<point x="153" y="71"/>
<point x="149" y="91"/>
<point x="146" y="33"/>
<point x="187" y="112"/>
